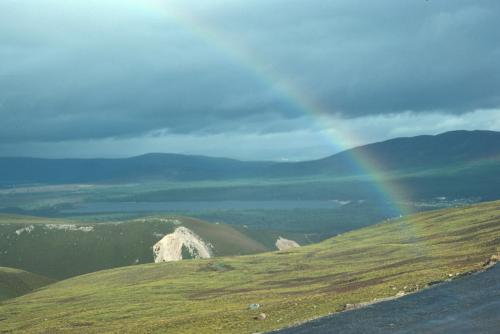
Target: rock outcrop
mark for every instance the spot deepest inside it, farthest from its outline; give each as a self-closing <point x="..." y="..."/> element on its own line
<point x="171" y="246"/>
<point x="284" y="244"/>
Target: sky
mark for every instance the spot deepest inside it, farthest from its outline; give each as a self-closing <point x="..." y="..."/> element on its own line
<point x="252" y="80"/>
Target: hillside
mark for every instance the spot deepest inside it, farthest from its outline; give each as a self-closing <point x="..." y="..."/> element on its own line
<point x="16" y="282"/>
<point x="213" y="296"/>
<point x="141" y="168"/>
<point x="413" y="153"/>
<point x="401" y="154"/>
<point x="62" y="248"/>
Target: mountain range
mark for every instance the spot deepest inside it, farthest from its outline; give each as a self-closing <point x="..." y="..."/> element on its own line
<point x="399" y="154"/>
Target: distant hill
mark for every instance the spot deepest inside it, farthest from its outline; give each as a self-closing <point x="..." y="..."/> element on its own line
<point x="412" y="153"/>
<point x="421" y="152"/>
<point x="60" y="248"/>
<point x="148" y="167"/>
<point x="16" y="282"/>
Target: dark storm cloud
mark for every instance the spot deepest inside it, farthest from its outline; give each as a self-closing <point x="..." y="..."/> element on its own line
<point x="94" y="69"/>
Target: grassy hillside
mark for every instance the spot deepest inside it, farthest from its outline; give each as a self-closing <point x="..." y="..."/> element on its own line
<point x="61" y="248"/>
<point x="212" y="296"/>
<point x="15" y="282"/>
<point x="412" y="153"/>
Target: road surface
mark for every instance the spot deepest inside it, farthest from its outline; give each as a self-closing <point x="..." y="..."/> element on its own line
<point x="466" y="305"/>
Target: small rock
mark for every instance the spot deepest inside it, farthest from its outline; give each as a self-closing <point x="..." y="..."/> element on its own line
<point x="450" y="275"/>
<point x="350" y="306"/>
<point x="400" y="294"/>
<point x="488" y="264"/>
<point x="253" y="306"/>
<point x="261" y="316"/>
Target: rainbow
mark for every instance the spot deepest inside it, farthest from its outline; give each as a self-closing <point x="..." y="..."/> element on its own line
<point x="249" y="60"/>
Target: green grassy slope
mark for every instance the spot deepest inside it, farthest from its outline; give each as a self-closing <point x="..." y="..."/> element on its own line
<point x="212" y="296"/>
<point x="15" y="282"/>
<point x="61" y="248"/>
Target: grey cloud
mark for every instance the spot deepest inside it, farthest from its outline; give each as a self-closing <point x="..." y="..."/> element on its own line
<point x="309" y="143"/>
<point x="92" y="69"/>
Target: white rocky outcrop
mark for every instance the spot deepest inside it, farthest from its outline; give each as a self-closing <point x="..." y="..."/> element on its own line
<point x="26" y="229"/>
<point x="169" y="248"/>
<point x="69" y="227"/>
<point x="63" y="227"/>
<point x="173" y="221"/>
<point x="284" y="244"/>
